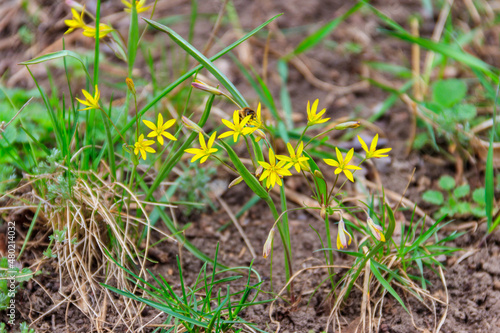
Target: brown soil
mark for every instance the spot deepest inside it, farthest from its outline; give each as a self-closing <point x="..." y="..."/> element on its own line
<point x="472" y="275"/>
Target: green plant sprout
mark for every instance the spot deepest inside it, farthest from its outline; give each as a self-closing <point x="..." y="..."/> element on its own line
<point x="457" y="202"/>
<point x="206" y="306"/>
<point x="6" y="275"/>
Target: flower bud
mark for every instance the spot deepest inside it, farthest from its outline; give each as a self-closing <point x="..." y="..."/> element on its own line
<point x="323" y="212"/>
<point x="259" y="171"/>
<point x="259" y="135"/>
<point x="191" y="124"/>
<point x="235" y="182"/>
<point x="130" y="85"/>
<point x="75" y="5"/>
<point x="347" y="124"/>
<point x="318" y="174"/>
<point x="197" y="84"/>
<point x="268" y="246"/>
<point x="376" y="230"/>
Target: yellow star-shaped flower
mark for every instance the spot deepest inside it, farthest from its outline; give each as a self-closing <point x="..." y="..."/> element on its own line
<point x="92" y="102"/>
<point x="343" y="164"/>
<point x="205" y="149"/>
<point x="373" y="152"/>
<point x="104" y="29"/>
<point x="295" y="159"/>
<point x="313" y="117"/>
<point x="76" y="22"/>
<point x="142" y="146"/>
<point x="160" y="130"/>
<point x="139" y="6"/>
<point x="237" y="127"/>
<point x="272" y="171"/>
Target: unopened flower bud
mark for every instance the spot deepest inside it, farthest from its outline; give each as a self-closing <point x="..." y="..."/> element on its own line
<point x="191" y="124"/>
<point x="259" y="171"/>
<point x="323" y="212"/>
<point x="268" y="246"/>
<point x="318" y="174"/>
<point x="259" y="135"/>
<point x="197" y="84"/>
<point x="347" y="124"/>
<point x="235" y="182"/>
<point x="130" y="85"/>
<point x="75" y="5"/>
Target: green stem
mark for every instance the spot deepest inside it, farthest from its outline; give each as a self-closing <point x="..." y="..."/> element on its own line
<point x="331" y="270"/>
<point x="225" y="164"/>
<point x="250" y="152"/>
<point x="112" y="123"/>
<point x="288" y="261"/>
<point x="388" y="235"/>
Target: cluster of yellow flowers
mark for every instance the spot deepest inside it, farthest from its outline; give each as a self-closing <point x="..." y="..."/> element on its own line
<point x="77" y="22"/>
<point x="277" y="166"/>
<point x="142" y="145"/>
<point x="159" y="131"/>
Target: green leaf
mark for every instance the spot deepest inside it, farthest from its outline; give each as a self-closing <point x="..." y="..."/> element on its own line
<point x="56" y="55"/>
<point x="207" y="63"/>
<point x="133" y="39"/>
<point x="461" y="191"/>
<point x="463" y="208"/>
<point x="433" y="197"/>
<point x="386" y="284"/>
<point x="465" y="112"/>
<point x="447" y="183"/>
<point x="479" y="196"/>
<point x="478" y="211"/>
<point x="249" y="179"/>
<point x="317" y="36"/>
<point x="320" y="183"/>
<point x="449" y="92"/>
<point x="187" y="75"/>
<point x="451" y="51"/>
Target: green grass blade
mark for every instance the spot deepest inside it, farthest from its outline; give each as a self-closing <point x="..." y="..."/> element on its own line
<point x="320" y="34"/>
<point x="181" y="79"/>
<point x="57" y="55"/>
<point x="248" y="177"/>
<point x="171" y="162"/>
<point x="28" y="234"/>
<point x="448" y="51"/>
<point x="202" y="59"/>
<point x="320" y="183"/>
<point x="488" y="176"/>
<point x="133" y="38"/>
<point x="286" y="102"/>
<point x="97" y="41"/>
<point x="386" y="285"/>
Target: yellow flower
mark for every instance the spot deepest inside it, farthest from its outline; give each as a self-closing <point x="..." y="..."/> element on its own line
<point x="104" y="29"/>
<point x="295" y="159"/>
<point x="205" y="149"/>
<point x="142" y="146"/>
<point x="341" y="235"/>
<point x="373" y="152"/>
<point x="343" y="164"/>
<point x="313" y="117"/>
<point x="376" y="230"/>
<point x="272" y="171"/>
<point x="237" y="127"/>
<point x="90" y="102"/>
<point x="139" y="6"/>
<point x="256" y="121"/>
<point x="160" y="129"/>
<point x="76" y="22"/>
